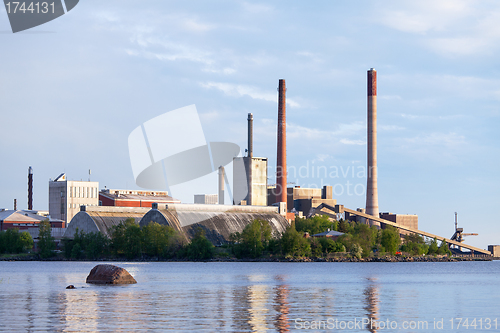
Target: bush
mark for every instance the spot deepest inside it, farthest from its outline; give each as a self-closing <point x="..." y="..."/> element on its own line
<point x="356" y="251"/>
<point x="46" y="243"/>
<point x="294" y="244"/>
<point x="253" y="240"/>
<point x="390" y="239"/>
<point x="315" y="224"/>
<point x="200" y="247"/>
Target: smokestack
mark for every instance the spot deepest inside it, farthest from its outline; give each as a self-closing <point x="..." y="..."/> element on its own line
<point x="221" y="185"/>
<point x="15" y="204"/>
<point x="250" y="135"/>
<point x="371" y="184"/>
<point x="30" y="188"/>
<point x="281" y="158"/>
<point x="249" y="159"/>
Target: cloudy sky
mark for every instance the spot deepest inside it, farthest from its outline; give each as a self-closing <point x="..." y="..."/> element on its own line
<point x="73" y="90"/>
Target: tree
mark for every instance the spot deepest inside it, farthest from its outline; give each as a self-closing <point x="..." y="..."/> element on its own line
<point x="45" y="240"/>
<point x="253" y="239"/>
<point x="390" y="239"/>
<point x="356" y="251"/>
<point x="315" y="224"/>
<point x="26" y="241"/>
<point x="156" y="238"/>
<point x="200" y="247"/>
<point x="294" y="244"/>
<point x="444" y="249"/>
<point x="120" y="238"/>
<point x="330" y="246"/>
<point x="133" y="241"/>
<point x="433" y="247"/>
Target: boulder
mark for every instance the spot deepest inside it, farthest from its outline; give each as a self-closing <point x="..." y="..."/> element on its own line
<point x="109" y="274"/>
<point x="70" y="287"/>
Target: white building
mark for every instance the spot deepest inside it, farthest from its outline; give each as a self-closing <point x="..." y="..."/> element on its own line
<point x="66" y="197"/>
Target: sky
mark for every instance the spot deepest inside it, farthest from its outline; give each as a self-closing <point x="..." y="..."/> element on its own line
<point x="73" y="90"/>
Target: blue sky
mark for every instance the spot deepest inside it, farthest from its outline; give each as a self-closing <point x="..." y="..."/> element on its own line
<point x="72" y="91"/>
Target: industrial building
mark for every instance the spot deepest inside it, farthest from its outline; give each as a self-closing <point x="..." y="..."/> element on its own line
<point x="410" y="221"/>
<point x="250" y="175"/>
<point x="204" y="199"/>
<point x="102" y="219"/>
<point x="218" y="221"/>
<point x="133" y="198"/>
<point x="24" y="220"/>
<point x="66" y="197"/>
<point x="303" y="199"/>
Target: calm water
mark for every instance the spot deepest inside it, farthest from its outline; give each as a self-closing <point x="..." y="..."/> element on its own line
<point x="253" y="297"/>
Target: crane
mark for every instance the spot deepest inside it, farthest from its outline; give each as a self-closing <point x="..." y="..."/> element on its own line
<point x="459" y="234"/>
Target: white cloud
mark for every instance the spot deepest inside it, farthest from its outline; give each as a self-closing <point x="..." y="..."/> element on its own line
<point x="238" y="90"/>
<point x="353" y="142"/>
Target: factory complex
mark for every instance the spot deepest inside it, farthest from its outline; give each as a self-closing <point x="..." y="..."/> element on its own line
<point x="80" y="205"/>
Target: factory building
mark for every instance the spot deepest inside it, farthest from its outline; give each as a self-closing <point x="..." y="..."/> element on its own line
<point x="304" y="199"/>
<point x="218" y="221"/>
<point x="133" y="198"/>
<point x="410" y="221"/>
<point x="102" y="219"/>
<point x="204" y="199"/>
<point x="23" y="220"/>
<point x="250" y="180"/>
<point x="66" y="197"/>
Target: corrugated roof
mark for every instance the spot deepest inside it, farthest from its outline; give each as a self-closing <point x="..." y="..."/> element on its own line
<point x="329" y="233"/>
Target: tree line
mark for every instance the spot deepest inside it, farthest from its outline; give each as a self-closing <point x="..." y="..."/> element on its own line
<point x="154" y="241"/>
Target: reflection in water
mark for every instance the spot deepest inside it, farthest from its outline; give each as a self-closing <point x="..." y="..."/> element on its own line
<point x="372" y="300"/>
<point x="282" y="307"/>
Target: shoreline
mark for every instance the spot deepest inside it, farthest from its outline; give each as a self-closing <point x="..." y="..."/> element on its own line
<point x="336" y="259"/>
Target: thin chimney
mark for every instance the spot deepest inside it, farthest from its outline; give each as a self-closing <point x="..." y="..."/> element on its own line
<point x="371" y="185"/>
<point x="30" y="188"/>
<point x="221" y="185"/>
<point x="281" y="172"/>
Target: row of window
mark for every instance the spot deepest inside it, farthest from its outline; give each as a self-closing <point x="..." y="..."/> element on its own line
<point x="78" y="205"/>
<point x="82" y="192"/>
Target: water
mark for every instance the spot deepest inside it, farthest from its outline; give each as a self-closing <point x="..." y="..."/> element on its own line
<point x="252" y="297"/>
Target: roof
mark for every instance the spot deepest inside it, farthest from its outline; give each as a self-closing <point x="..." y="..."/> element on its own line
<point x="102" y="219"/>
<point x="23" y="216"/>
<point x="329" y="233"/>
<point x="138" y="197"/>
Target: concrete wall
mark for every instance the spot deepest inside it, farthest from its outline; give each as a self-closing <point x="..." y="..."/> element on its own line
<point x="66" y="197"/>
<point x="410" y="221"/>
<point x="258" y="187"/>
<point x="495" y="250"/>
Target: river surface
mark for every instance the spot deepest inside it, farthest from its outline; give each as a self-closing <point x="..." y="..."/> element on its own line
<point x="253" y="297"/>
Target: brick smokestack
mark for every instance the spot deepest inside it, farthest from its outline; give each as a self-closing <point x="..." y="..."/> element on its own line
<point x="281" y="158"/>
<point x="30" y="188"/>
<point x="371" y="184"/>
<point x="250" y="135"/>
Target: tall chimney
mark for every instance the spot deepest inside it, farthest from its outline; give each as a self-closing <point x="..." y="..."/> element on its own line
<point x="15" y="204"/>
<point x="30" y="188"/>
<point x="221" y="185"/>
<point x="250" y="135"/>
<point x="371" y="184"/>
<point x="281" y="158"/>
<point x="249" y="159"/>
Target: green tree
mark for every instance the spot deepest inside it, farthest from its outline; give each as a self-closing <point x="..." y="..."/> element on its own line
<point x="444" y="249"/>
<point x="343" y="226"/>
<point x="119" y="237"/>
<point x="390" y="239"/>
<point x="26" y="241"/>
<point x="315" y="224"/>
<point x="294" y="244"/>
<point x="433" y="247"/>
<point x="200" y="247"/>
<point x="156" y="239"/>
<point x="356" y="250"/>
<point x="96" y="245"/>
<point x="414" y="244"/>
<point x="45" y="240"/>
<point x="253" y="240"/>
<point x="316" y="247"/>
<point x="133" y="241"/>
<point x="12" y="241"/>
<point x="330" y="246"/>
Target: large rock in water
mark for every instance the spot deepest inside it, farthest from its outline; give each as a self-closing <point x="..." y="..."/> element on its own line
<point x="109" y="274"/>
